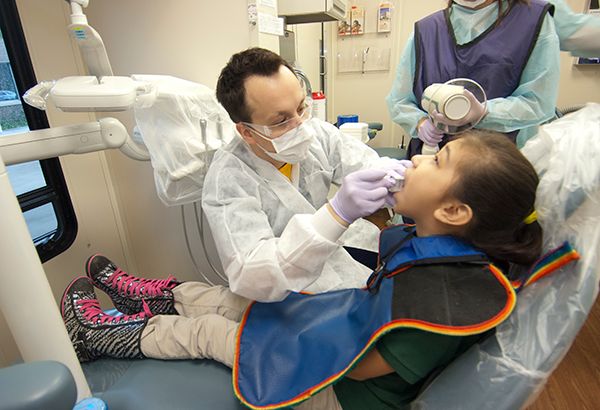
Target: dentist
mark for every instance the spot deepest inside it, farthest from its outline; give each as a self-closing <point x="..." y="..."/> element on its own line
<point x="265" y="194"/>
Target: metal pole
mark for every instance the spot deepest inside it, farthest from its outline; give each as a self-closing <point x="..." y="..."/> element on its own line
<point x="26" y="299"/>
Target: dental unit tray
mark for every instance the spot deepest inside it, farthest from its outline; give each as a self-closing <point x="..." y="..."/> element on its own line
<point x="87" y="93"/>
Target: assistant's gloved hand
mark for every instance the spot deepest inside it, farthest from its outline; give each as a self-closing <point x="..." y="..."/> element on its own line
<point x="475" y="114"/>
<point x="428" y="133"/>
<point x="362" y="193"/>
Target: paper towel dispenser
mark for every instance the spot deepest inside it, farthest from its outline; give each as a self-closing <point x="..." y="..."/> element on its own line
<point x="312" y="11"/>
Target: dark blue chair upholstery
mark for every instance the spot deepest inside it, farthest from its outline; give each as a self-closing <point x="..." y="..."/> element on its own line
<point x="161" y="384"/>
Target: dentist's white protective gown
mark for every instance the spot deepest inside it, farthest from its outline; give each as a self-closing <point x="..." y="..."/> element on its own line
<point x="267" y="234"/>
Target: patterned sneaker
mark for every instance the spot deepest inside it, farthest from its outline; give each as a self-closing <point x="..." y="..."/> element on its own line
<point x="94" y="333"/>
<point x="127" y="292"/>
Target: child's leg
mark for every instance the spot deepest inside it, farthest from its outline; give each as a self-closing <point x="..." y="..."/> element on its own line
<point x="324" y="400"/>
<point x="194" y="299"/>
<point x="211" y="336"/>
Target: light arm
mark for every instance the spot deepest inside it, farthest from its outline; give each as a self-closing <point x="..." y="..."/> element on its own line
<point x="89" y="41"/>
<point x="70" y="139"/>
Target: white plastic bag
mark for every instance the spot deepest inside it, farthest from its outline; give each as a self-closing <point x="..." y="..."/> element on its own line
<point x="181" y="124"/>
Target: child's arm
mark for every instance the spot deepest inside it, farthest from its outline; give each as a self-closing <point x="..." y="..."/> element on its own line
<point x="373" y="365"/>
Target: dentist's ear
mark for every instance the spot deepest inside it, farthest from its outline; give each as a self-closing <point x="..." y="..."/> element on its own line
<point x="454" y="213"/>
<point x="245" y="133"/>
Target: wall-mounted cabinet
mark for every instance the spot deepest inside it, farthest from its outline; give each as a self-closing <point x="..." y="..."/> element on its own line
<point x="312" y="11"/>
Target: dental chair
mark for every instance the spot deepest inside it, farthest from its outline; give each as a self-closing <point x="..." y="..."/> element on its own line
<point x="37" y="385"/>
<point x="505" y="371"/>
<point x="181" y="126"/>
<point x="160" y="384"/>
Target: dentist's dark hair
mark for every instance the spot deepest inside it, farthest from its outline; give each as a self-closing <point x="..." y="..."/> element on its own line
<point x="231" y="91"/>
<point x="499" y="184"/>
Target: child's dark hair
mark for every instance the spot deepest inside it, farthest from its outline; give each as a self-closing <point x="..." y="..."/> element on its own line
<point x="499" y="184"/>
<point x="231" y="92"/>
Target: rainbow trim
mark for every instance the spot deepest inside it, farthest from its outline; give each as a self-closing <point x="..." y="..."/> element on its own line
<point x="511" y="300"/>
<point x="548" y="263"/>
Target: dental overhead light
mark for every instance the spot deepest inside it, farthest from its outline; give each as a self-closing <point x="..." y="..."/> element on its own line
<point x="203" y="124"/>
<point x="178" y="124"/>
<point x="99" y="91"/>
<point x="89" y="41"/>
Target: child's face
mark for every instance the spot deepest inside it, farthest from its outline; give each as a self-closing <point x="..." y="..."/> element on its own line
<point x="427" y="183"/>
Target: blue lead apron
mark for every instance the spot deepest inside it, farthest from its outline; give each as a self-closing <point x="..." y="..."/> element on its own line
<point x="290" y="350"/>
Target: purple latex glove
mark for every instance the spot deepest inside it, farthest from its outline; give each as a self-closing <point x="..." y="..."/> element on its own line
<point x="475" y="114"/>
<point x="394" y="174"/>
<point x="428" y="133"/>
<point x="391" y="164"/>
<point x="362" y="193"/>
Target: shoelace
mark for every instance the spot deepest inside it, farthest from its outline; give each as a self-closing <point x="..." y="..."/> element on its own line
<point x="90" y="309"/>
<point x="133" y="285"/>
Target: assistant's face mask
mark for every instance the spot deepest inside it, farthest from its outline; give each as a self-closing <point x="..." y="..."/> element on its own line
<point x="291" y="147"/>
<point x="470" y="4"/>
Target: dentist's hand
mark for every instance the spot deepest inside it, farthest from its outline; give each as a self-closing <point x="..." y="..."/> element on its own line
<point x="362" y="193"/>
<point x="392" y="165"/>
<point x="395" y="171"/>
<point x="475" y="114"/>
<point x="428" y="133"/>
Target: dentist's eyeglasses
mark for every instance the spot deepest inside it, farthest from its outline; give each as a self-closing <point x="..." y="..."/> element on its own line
<point x="274" y="131"/>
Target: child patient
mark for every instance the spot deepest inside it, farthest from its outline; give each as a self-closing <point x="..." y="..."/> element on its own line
<point x="436" y="292"/>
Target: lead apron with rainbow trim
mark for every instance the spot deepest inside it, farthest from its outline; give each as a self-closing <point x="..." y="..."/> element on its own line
<point x="288" y="351"/>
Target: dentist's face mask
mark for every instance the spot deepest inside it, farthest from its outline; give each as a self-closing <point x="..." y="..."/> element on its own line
<point x="295" y="137"/>
<point x="470" y="4"/>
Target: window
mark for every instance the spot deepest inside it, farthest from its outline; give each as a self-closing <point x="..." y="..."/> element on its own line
<point x="39" y="185"/>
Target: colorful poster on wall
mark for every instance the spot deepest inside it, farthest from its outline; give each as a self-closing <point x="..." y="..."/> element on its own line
<point x="358" y="20"/>
<point x="384" y="18"/>
<point x="345" y="25"/>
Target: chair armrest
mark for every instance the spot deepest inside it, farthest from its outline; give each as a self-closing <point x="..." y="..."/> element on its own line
<point x="37" y="385"/>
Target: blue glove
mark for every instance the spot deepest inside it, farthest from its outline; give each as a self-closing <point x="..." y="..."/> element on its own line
<point x="475" y="114"/>
<point x="362" y="193"/>
<point x="428" y="133"/>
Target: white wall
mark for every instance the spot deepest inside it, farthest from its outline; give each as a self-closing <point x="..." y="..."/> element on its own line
<point x="308" y="37"/>
<point x="364" y="93"/>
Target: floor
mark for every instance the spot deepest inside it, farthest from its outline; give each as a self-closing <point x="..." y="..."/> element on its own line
<point x="576" y="382"/>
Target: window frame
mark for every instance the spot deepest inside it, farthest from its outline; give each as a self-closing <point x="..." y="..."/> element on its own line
<point x="55" y="192"/>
